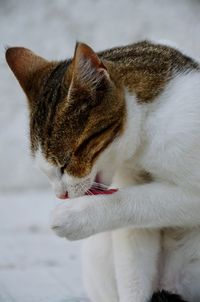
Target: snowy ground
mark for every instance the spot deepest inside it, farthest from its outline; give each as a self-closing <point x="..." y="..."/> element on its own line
<point x="35" y="265"/>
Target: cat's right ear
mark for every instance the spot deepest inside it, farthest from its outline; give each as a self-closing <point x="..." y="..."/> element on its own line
<point x="23" y="62"/>
<point x="87" y="66"/>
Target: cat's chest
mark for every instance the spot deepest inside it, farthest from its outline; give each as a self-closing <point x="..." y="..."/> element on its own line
<point x="170" y="157"/>
<point x="169" y="134"/>
<point x="153" y="159"/>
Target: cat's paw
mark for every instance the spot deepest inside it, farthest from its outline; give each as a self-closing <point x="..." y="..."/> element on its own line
<point x="74" y="219"/>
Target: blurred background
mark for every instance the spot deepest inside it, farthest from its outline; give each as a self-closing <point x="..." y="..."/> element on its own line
<point x="35" y="265"/>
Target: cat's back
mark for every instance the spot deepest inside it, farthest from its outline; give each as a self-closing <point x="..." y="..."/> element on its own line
<point x="151" y="56"/>
<point x="146" y="68"/>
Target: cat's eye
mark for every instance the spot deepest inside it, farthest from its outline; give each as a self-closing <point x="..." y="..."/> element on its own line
<point x="62" y="169"/>
<point x="66" y="160"/>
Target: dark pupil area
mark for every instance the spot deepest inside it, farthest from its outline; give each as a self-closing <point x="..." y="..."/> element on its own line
<point x="62" y="169"/>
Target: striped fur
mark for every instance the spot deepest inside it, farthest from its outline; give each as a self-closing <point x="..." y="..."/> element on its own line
<point x="77" y="107"/>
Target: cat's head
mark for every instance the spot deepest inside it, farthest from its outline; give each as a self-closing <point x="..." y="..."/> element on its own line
<point x="77" y="111"/>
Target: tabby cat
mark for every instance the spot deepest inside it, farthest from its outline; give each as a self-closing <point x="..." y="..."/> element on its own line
<point x="130" y="115"/>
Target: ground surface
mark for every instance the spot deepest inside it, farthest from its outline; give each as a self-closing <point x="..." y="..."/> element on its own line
<point x="35" y="265"/>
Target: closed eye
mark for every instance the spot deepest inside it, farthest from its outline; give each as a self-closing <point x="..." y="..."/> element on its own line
<point x="62" y="169"/>
<point x="67" y="160"/>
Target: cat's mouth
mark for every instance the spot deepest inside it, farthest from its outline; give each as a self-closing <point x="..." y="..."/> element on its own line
<point x="97" y="188"/>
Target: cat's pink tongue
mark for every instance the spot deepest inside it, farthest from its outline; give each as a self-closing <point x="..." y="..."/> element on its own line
<point x="92" y="192"/>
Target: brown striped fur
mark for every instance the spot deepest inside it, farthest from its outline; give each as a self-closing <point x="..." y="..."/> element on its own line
<point x="77" y="106"/>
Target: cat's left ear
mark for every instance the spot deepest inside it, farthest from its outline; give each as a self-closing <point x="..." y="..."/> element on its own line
<point x="24" y="63"/>
<point x="87" y="66"/>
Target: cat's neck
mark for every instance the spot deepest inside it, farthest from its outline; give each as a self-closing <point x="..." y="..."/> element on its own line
<point x="130" y="141"/>
<point x="125" y="147"/>
<point x="145" y="68"/>
<point x="144" y="84"/>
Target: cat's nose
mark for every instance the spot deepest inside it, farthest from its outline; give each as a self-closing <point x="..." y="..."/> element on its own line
<point x="63" y="196"/>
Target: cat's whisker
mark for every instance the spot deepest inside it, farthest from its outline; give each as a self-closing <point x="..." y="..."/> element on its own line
<point x="90" y="192"/>
<point x="99" y="191"/>
<point x="98" y="188"/>
<point x="83" y="187"/>
<point x="98" y="184"/>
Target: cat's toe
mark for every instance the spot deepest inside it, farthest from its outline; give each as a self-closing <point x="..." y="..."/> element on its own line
<point x="69" y="221"/>
<point x="57" y="224"/>
<point x="58" y="230"/>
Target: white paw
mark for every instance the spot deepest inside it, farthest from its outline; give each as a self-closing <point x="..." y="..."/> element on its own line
<point x="73" y="218"/>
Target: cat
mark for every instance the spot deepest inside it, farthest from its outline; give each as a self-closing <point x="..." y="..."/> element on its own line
<point x="131" y="114"/>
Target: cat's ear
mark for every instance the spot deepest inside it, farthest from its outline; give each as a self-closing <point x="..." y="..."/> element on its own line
<point x="23" y="62"/>
<point x="88" y="68"/>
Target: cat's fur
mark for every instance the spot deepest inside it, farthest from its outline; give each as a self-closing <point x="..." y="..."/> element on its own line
<point x="134" y="112"/>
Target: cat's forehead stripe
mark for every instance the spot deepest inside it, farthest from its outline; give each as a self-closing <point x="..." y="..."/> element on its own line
<point x="51" y="95"/>
<point x="57" y="75"/>
<point x="53" y="84"/>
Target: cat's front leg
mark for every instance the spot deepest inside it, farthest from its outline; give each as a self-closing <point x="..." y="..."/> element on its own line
<point x="136" y="253"/>
<point x="154" y="205"/>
